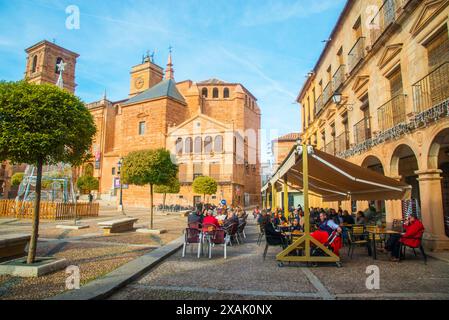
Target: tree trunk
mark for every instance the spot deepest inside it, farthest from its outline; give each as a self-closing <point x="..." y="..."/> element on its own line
<point x="37" y="204"/>
<point x="151" y="206"/>
<point x="163" y="200"/>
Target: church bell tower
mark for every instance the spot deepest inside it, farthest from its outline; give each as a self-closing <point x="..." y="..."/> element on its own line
<point x="42" y="61"/>
<point x="145" y="75"/>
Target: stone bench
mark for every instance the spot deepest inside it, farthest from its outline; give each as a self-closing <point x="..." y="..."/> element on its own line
<point x="13" y="246"/>
<point x="117" y="226"/>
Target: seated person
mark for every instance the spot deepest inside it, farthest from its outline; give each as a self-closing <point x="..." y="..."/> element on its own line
<point x="411" y="237"/>
<point x="325" y="228"/>
<point x="360" y="219"/>
<point x="347" y="218"/>
<point x="209" y="219"/>
<point x="296" y="226"/>
<point x="276" y="236"/>
<point x="195" y="217"/>
<point x="230" y="219"/>
<point x="276" y="219"/>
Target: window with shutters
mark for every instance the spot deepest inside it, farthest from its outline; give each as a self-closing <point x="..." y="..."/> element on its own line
<point x="438" y="49"/>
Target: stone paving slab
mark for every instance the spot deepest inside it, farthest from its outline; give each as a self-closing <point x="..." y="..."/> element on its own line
<point x="103" y="286"/>
<point x="245" y="275"/>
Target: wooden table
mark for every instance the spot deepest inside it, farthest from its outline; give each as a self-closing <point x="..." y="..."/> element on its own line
<point x="373" y="233"/>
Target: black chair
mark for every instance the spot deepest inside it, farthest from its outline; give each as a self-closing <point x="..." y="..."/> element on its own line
<point x="274" y="241"/>
<point x="403" y="248"/>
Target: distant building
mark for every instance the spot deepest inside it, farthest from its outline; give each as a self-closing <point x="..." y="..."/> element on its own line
<point x="281" y="148"/>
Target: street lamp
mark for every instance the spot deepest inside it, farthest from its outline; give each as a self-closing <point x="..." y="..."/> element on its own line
<point x="119" y="165"/>
<point x="336" y="98"/>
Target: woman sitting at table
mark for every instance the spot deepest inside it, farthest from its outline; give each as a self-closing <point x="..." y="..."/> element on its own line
<point x="414" y="230"/>
<point x="295" y="226"/>
<point x="276" y="219"/>
<point x="209" y="219"/>
<point x="360" y="220"/>
<point x="347" y="218"/>
<point x="276" y="236"/>
<point x="326" y="228"/>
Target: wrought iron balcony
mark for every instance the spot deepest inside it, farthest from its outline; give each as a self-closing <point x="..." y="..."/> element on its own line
<point x="432" y="90"/>
<point x="362" y="130"/>
<point x="339" y="77"/>
<point x="327" y="93"/>
<point x="319" y="104"/>
<point x="383" y="19"/>
<point x="330" y="147"/>
<point x="342" y="142"/>
<point x="356" y="54"/>
<point x="392" y="113"/>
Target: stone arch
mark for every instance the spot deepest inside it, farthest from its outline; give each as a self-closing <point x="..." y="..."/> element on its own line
<point x="374" y="163"/>
<point x="204" y="92"/>
<point x="404" y="163"/>
<point x="440" y="143"/>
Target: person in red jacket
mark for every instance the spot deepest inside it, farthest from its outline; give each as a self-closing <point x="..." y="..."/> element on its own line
<point x="414" y="230"/>
<point x="210" y="219"/>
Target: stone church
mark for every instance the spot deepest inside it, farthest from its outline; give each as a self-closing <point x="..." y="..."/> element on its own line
<point x="211" y="127"/>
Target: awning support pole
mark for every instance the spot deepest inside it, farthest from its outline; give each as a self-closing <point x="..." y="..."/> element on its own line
<point x="286" y="212"/>
<point x="303" y="243"/>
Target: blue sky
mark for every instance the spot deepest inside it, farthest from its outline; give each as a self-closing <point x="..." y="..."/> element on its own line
<point x="268" y="46"/>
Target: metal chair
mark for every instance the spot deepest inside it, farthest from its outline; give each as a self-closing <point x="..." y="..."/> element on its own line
<point x="403" y="248"/>
<point x="219" y="238"/>
<point x="192" y="236"/>
<point x="261" y="234"/>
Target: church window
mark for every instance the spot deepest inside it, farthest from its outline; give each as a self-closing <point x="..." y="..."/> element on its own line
<point x="179" y="146"/>
<point x="226" y="93"/>
<point x="208" y="144"/>
<point x="198" y="145"/>
<point x="204" y="92"/>
<point x="34" y="64"/>
<point x="58" y="61"/>
<point x="215" y="93"/>
<point x="218" y="145"/>
<point x="189" y="145"/>
<point x="141" y="128"/>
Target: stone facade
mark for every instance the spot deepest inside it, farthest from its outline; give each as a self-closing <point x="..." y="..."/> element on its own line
<point x="378" y="96"/>
<point x="212" y="127"/>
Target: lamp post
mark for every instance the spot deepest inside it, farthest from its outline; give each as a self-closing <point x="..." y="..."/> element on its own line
<point x="119" y="166"/>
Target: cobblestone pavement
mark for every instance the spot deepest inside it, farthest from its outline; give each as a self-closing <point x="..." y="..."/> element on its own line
<point x="88" y="249"/>
<point x="245" y="275"/>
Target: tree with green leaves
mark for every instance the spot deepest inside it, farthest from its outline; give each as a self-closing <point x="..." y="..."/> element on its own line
<point x="17" y="179"/>
<point x="205" y="185"/>
<point x="42" y="124"/>
<point x="87" y="184"/>
<point x="148" y="167"/>
<point x="172" y="187"/>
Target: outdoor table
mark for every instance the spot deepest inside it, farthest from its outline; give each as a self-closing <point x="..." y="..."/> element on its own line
<point x="373" y="233"/>
<point x="290" y="235"/>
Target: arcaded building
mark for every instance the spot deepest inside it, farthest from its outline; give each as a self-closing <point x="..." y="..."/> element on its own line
<point x="378" y="96"/>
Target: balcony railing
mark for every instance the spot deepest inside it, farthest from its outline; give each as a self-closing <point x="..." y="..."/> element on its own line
<point x="432" y="89"/>
<point x="392" y="113"/>
<point x="342" y="142"/>
<point x="330" y="147"/>
<point x="356" y="54"/>
<point x="362" y="130"/>
<point x="339" y="77"/>
<point x="319" y="104"/>
<point x="327" y="93"/>
<point x="383" y="19"/>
